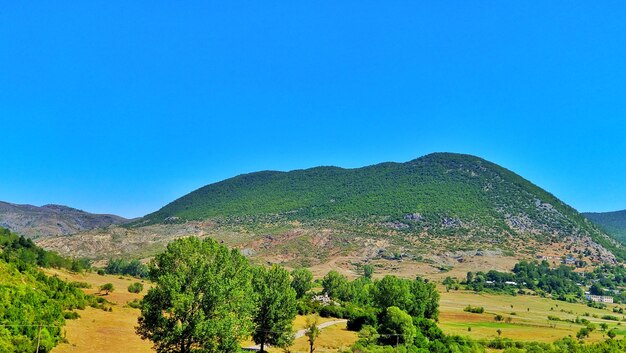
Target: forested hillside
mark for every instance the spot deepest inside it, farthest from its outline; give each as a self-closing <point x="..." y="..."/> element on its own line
<point x="614" y="223"/>
<point x="438" y="194"/>
<point x="33" y="306"/>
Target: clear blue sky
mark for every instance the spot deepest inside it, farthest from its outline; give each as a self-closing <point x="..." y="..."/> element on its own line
<point x="124" y="106"/>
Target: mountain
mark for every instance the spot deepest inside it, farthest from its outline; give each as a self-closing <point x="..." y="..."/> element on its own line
<point x="614" y="223"/>
<point x="443" y="209"/>
<point x="32" y="221"/>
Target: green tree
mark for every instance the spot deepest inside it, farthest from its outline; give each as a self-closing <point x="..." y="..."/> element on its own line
<point x="612" y="333"/>
<point x="312" y="331"/>
<point x="275" y="307"/>
<point x="397" y="326"/>
<point x="135" y="287"/>
<point x="392" y="291"/>
<point x="336" y="285"/>
<point x="596" y="289"/>
<point x="201" y="300"/>
<point x="582" y="333"/>
<point x="107" y="288"/>
<point x="368" y="271"/>
<point x="368" y="335"/>
<point x="302" y="281"/>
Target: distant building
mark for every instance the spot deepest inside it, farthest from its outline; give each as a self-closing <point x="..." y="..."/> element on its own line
<point x="570" y="260"/>
<point x="599" y="298"/>
<point x="510" y="283"/>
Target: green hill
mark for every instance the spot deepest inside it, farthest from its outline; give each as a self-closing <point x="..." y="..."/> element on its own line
<point x="439" y="194"/>
<point x="613" y="223"/>
<point x="33" y="306"/>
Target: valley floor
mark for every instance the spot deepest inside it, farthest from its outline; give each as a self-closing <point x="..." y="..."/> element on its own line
<point x="100" y="331"/>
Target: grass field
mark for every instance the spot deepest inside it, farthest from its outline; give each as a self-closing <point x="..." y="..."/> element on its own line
<point x="100" y="331"/>
<point x="529" y="322"/>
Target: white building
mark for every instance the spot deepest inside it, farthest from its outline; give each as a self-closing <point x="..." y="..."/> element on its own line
<point x="599" y="298"/>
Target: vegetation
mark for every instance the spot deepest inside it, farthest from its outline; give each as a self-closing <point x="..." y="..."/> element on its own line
<point x="107" y="288"/>
<point x="124" y="267"/>
<point x="23" y="252"/>
<point x="474" y="309"/>
<point x="33" y="306"/>
<point x="201" y="299"/>
<point x="441" y="194"/>
<point x="302" y="281"/>
<point x="613" y="223"/>
<point x="537" y="276"/>
<point x="275" y="302"/>
<point x="136" y="287"/>
<point x="312" y="331"/>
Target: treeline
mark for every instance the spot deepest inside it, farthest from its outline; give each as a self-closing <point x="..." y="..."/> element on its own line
<point x="126" y="267"/>
<point x="565" y="345"/>
<point x="23" y="253"/>
<point x="560" y="282"/>
<point x="33" y="306"/>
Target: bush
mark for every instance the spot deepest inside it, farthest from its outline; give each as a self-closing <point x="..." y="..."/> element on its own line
<point x="610" y="317"/>
<point x="332" y="311"/>
<point x="80" y="284"/>
<point x="70" y="315"/>
<point x="135" y="304"/>
<point x="107" y="288"/>
<point x="135" y="287"/>
<point x="474" y="309"/>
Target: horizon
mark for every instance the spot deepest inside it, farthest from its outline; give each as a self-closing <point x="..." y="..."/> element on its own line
<point x="122" y="108"/>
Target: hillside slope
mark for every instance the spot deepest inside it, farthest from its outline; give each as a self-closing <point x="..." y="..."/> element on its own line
<point x="450" y="189"/>
<point x="32" y="221"/>
<point x="443" y="209"/>
<point x="613" y="223"/>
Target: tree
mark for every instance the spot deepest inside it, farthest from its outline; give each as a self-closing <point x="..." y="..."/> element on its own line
<point x="612" y="333"/>
<point x="368" y="334"/>
<point x="336" y="285"/>
<point x="275" y="307"/>
<point x="582" y="333"/>
<point x="312" y="331"/>
<point x="107" y="288"/>
<point x="392" y="291"/>
<point x="397" y="326"/>
<point x="302" y="281"/>
<point x="201" y="300"/>
<point x="596" y="289"/>
<point x="368" y="271"/>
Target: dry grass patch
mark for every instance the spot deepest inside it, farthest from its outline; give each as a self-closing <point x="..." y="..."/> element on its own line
<point x="99" y="331"/>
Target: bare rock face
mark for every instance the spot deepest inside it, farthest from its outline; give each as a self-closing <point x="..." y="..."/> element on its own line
<point x="51" y="220"/>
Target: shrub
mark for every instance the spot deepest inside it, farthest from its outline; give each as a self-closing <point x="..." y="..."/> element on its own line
<point x="474" y="309"/>
<point x="135" y="287"/>
<point x="80" y="284"/>
<point x="107" y="288"/>
<point x="610" y="317"/>
<point x="135" y="304"/>
<point x="70" y="315"/>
